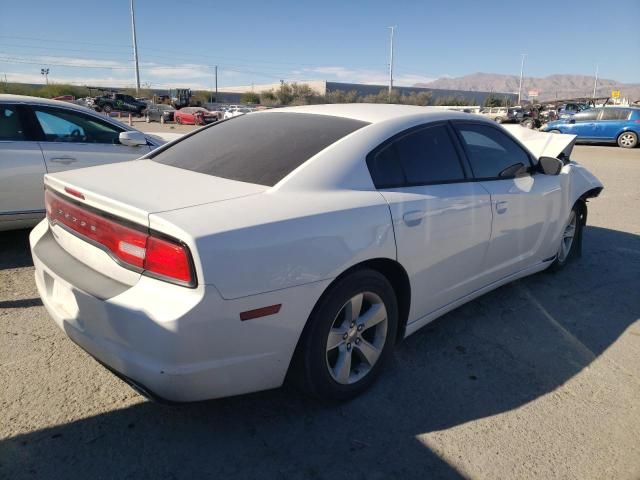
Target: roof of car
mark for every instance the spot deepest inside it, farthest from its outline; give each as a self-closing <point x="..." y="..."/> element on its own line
<point x="370" y="112"/>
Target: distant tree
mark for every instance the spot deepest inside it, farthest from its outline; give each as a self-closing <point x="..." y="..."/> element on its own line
<point x="249" y="97"/>
<point x="201" y="96"/>
<point x="453" y="101"/>
<point x="412" y="98"/>
<point x="494" y="101"/>
<point x="341" y="96"/>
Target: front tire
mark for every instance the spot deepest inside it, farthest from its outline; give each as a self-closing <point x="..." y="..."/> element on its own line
<point x="571" y="241"/>
<point x="555" y="131"/>
<point x="349" y="337"/>
<point x="107" y="109"/>
<point x="627" y="140"/>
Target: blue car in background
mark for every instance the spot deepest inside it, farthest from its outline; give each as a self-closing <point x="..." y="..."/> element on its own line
<point x="619" y="125"/>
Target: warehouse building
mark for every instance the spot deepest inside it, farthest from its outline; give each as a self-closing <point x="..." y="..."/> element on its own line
<point x="322" y="87"/>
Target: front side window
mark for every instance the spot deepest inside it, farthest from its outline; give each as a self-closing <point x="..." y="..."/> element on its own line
<point x="615" y="114"/>
<point x="419" y="157"/>
<point x="11" y="127"/>
<point x="68" y="126"/>
<point x="492" y="153"/>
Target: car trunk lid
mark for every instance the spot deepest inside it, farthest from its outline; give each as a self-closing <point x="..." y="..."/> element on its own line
<point x="133" y="190"/>
<point x="126" y="194"/>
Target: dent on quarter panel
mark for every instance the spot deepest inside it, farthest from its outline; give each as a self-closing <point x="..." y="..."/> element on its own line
<point x="297" y="251"/>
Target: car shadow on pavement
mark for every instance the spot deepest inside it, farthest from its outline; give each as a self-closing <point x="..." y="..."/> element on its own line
<point x="14" y="249"/>
<point x="493" y="355"/>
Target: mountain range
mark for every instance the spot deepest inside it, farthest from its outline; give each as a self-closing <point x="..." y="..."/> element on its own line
<point x="549" y="88"/>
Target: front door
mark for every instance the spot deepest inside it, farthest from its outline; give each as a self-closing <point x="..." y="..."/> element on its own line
<point x="73" y="139"/>
<point x="525" y="204"/>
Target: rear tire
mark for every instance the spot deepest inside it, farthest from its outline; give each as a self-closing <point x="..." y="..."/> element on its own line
<point x="498" y="119"/>
<point x="107" y="109"/>
<point x="349" y="337"/>
<point x="627" y="140"/>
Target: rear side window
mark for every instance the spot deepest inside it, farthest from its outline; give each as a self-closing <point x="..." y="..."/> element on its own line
<point x="11" y="127"/>
<point x="491" y="152"/>
<point x="615" y="114"/>
<point x="257" y="148"/>
<point x="420" y="157"/>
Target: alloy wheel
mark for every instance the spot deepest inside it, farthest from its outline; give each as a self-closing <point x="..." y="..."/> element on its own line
<point x="627" y="139"/>
<point x="567" y="237"/>
<point x="356" y="338"/>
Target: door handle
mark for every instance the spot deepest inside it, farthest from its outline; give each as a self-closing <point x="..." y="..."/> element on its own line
<point x="413" y="218"/>
<point x="63" y="160"/>
<point x="501" y="207"/>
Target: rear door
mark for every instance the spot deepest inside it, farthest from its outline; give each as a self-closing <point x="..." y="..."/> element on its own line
<point x="525" y="205"/>
<point x="441" y="219"/>
<point x="22" y="166"/>
<point x="612" y="121"/>
<point x="72" y="139"/>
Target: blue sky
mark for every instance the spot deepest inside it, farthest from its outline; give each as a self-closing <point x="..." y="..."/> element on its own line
<point x="89" y="42"/>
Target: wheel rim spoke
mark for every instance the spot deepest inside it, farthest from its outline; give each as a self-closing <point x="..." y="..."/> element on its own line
<point x="336" y="338"/>
<point x="353" y="308"/>
<point x="369" y="352"/>
<point x="376" y="314"/>
<point x="342" y="370"/>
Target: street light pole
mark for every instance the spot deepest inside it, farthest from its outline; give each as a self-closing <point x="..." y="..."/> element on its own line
<point x="595" y="83"/>
<point x="521" y="73"/>
<point x="391" y="61"/>
<point x="45" y="72"/>
<point x="135" y="47"/>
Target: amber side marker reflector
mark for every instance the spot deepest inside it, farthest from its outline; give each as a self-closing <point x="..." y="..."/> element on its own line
<point x="260" y="312"/>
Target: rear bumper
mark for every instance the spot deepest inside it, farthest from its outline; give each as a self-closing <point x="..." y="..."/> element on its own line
<point x="175" y="343"/>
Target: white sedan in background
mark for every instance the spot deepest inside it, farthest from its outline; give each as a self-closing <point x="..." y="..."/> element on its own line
<point x="307" y="239"/>
<point x="39" y="136"/>
<point x="236" y="112"/>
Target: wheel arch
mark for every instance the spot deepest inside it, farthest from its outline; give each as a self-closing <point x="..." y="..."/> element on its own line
<point x="397" y="276"/>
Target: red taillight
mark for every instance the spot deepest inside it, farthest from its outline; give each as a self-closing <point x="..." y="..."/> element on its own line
<point x="131" y="247"/>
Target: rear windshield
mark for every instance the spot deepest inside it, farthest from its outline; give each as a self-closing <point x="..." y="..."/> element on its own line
<point x="257" y="148"/>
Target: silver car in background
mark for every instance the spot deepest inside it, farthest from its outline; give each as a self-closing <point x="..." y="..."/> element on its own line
<point x="39" y="136"/>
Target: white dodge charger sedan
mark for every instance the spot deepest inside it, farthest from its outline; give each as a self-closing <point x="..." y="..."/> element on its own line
<point x="304" y="240"/>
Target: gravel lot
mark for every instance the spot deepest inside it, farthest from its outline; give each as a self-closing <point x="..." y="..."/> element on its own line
<point x="538" y="379"/>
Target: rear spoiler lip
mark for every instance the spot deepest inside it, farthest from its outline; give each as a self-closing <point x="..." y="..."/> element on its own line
<point x="104" y="205"/>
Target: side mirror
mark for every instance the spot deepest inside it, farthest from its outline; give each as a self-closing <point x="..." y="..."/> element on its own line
<point x="132" y="139"/>
<point x="550" y="165"/>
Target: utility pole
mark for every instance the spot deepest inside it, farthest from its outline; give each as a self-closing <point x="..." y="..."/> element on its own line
<point x="595" y="83"/>
<point x="216" y="69"/>
<point x="135" y="47"/>
<point x="521" y="73"/>
<point x="391" y="60"/>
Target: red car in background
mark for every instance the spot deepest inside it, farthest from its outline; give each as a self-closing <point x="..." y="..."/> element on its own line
<point x="195" y="116"/>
